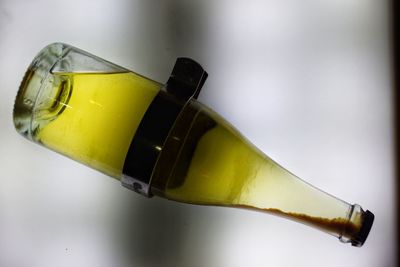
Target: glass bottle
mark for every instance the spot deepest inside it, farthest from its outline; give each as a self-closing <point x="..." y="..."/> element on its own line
<point x="159" y="140"/>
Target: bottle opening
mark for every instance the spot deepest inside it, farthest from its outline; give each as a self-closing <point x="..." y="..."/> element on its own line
<point x="361" y="236"/>
<point x="35" y="79"/>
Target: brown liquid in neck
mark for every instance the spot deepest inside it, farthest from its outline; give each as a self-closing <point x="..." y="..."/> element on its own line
<point x="339" y="226"/>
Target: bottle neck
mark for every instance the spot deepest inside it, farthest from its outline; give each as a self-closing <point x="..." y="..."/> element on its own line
<point x="206" y="161"/>
<point x="363" y="221"/>
<point x="353" y="227"/>
<point x="299" y="201"/>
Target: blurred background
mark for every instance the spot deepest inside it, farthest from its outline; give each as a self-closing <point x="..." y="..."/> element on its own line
<point x="309" y="82"/>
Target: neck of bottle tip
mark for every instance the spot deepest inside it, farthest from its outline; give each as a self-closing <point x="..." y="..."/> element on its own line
<point x="357" y="227"/>
<point x="352" y="227"/>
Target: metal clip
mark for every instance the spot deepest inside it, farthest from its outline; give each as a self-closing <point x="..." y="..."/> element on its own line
<point x="185" y="82"/>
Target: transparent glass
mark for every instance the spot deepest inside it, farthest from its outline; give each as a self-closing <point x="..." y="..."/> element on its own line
<point x="82" y="106"/>
<point x="89" y="110"/>
<point x="216" y="165"/>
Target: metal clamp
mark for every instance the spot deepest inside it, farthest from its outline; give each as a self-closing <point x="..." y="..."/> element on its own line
<point x="185" y="82"/>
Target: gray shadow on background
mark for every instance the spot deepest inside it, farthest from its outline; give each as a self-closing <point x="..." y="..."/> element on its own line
<point x="395" y="7"/>
<point x="151" y="231"/>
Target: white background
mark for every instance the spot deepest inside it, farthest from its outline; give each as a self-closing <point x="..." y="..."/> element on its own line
<point x="309" y="82"/>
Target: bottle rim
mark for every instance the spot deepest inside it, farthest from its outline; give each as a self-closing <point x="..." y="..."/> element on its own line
<point x="32" y="85"/>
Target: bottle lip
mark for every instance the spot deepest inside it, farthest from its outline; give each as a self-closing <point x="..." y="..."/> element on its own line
<point x="32" y="84"/>
<point x="367" y="221"/>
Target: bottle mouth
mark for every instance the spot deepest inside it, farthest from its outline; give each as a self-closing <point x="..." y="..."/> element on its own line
<point x="358" y="226"/>
<point x="367" y="221"/>
<point x="32" y="85"/>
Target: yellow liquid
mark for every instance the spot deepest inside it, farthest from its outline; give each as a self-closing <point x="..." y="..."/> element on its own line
<point x="92" y="117"/>
<point x="215" y="165"/>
